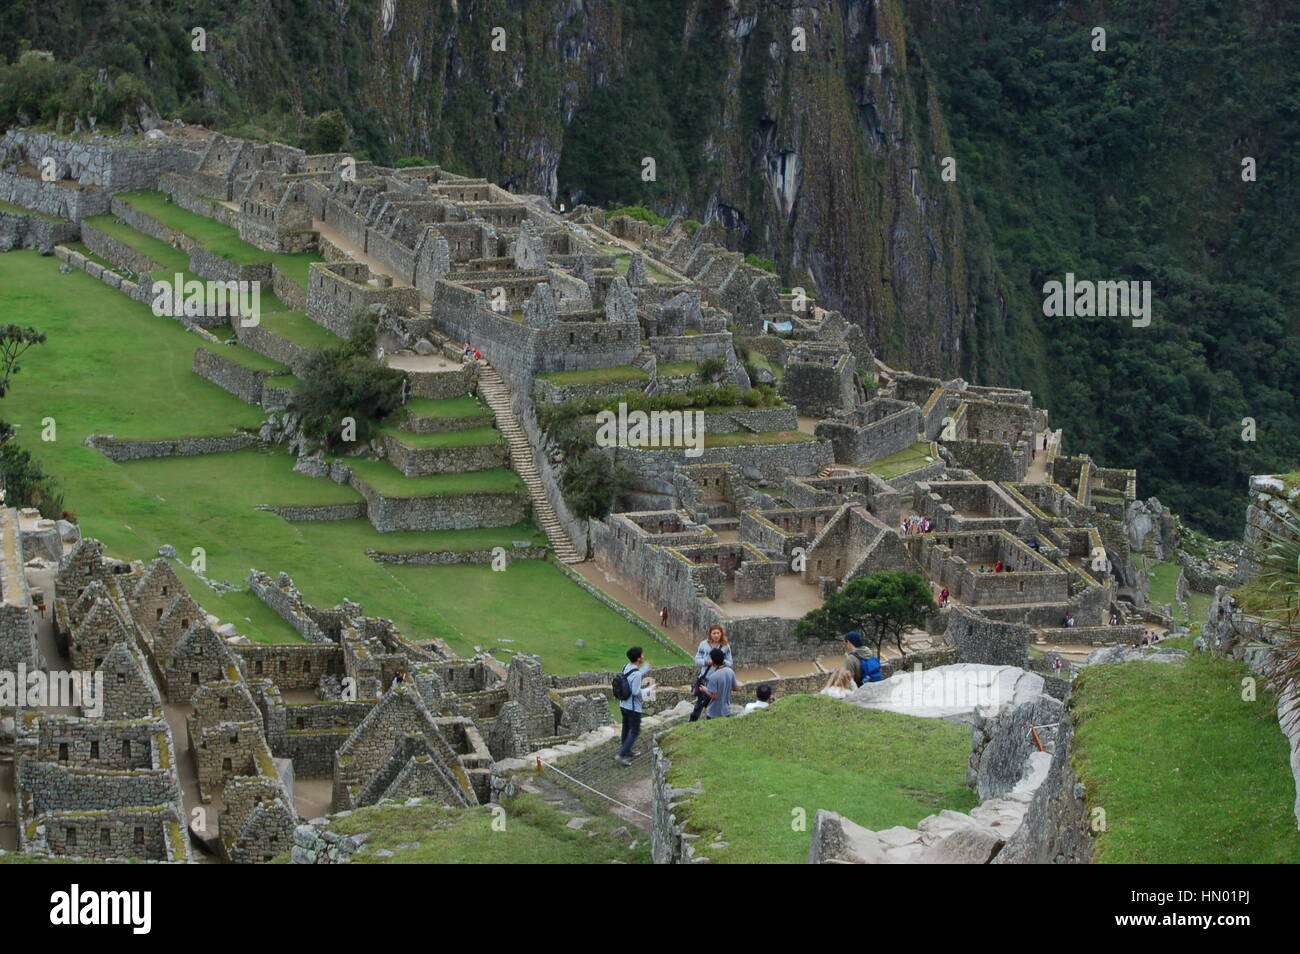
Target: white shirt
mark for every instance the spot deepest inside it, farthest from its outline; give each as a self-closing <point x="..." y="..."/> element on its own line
<point x="751" y="706"/>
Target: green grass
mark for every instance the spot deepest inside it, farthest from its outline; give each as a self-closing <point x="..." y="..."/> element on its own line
<point x="1185" y="770"/>
<point x="282" y="381"/>
<point x="97" y="336"/>
<point x="296" y="327"/>
<point x="595" y="376"/>
<point x="745" y="438"/>
<point x="904" y="461"/>
<point x="274" y="314"/>
<point x="216" y="238"/>
<point x="245" y="356"/>
<point x="534" y="833"/>
<point x="480" y="538"/>
<point x="679" y="369"/>
<point x="877" y="768"/>
<point x="467" y="437"/>
<point x="111" y="366"/>
<point x="467" y="406"/>
<point x="391" y="482"/>
<point x="1164" y="581"/>
<point x="533" y="604"/>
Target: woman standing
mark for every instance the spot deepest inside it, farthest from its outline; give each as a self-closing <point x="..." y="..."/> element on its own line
<point x="717" y="639"/>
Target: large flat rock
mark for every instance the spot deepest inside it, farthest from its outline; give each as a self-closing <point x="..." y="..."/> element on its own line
<point x="955" y="693"/>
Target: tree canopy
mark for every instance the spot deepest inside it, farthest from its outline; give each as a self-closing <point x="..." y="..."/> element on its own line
<point x="881" y="607"/>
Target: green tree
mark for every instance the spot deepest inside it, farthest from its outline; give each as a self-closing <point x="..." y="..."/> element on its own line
<point x="881" y="607"/>
<point x="328" y="132"/>
<point x="590" y="482"/>
<point x="346" y="381"/>
<point x="15" y="340"/>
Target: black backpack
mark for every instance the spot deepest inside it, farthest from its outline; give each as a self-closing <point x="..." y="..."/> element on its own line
<point x="622" y="686"/>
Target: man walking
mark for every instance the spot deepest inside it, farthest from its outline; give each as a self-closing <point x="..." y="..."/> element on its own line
<point x="630" y="708"/>
<point x="719" y="685"/>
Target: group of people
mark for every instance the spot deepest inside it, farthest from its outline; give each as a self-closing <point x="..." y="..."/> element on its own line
<point x="915" y="524"/>
<point x="1150" y="638"/>
<point x="860" y="667"/>
<point x="716" y="681"/>
<point x="998" y="567"/>
<point x="712" y="689"/>
<point x="1067" y="621"/>
<point x="469" y="352"/>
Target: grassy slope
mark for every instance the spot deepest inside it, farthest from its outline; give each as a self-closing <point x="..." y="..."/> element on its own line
<point x="908" y="459"/>
<point x="216" y="238"/>
<point x="879" y="769"/>
<point x="466" y="406"/>
<point x="100" y="341"/>
<point x="1204" y="781"/>
<point x="534" y="833"/>
<point x="1164" y="580"/>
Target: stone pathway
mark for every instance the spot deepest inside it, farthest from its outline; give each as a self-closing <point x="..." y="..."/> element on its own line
<point x="493" y="390"/>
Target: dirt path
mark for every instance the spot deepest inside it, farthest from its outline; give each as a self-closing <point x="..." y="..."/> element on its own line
<point x="354" y="250"/>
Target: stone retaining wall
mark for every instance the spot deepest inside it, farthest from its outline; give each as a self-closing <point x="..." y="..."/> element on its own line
<point x="180" y="447"/>
<point x="426" y="461"/>
<point x="229" y="375"/>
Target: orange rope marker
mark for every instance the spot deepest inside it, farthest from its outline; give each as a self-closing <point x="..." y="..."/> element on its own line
<point x="1034" y="732"/>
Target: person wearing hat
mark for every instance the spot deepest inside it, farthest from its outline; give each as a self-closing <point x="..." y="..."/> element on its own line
<point x="861" y="665"/>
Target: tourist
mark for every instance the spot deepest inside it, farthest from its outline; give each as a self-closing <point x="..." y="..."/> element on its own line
<point x="997" y="567"/>
<point x="943" y="597"/>
<point x="630" y="708"/>
<point x="478" y="355"/>
<point x="465" y="353"/>
<point x="1069" y="620"/>
<point x="719" y="685"/>
<point x="663" y="617"/>
<point x="717" y="639"/>
<point x="862" y="666"/>
<point x="762" y="698"/>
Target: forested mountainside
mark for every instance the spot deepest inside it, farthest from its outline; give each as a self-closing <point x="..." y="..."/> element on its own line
<point x="1115" y="164"/>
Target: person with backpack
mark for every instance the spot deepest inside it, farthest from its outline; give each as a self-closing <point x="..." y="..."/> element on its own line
<point x="861" y="665"/>
<point x="628" y="692"/>
<point x="717" y="639"/>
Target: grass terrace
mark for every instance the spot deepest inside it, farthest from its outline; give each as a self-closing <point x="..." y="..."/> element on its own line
<point x="128" y="373"/>
<point x="82" y="250"/>
<point x="245" y="356"/>
<point x="215" y="237"/>
<point x="745" y="438"/>
<point x="536" y="833"/>
<point x="595" y="376"/>
<point x="386" y="479"/>
<point x="1164" y="582"/>
<point x="679" y="369"/>
<point x="1221" y="761"/>
<point x="467" y="406"/>
<point x="468" y="437"/>
<point x="877" y="768"/>
<point x="903" y="462"/>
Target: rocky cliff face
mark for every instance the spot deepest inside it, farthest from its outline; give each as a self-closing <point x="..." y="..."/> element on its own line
<point x="810" y="133"/>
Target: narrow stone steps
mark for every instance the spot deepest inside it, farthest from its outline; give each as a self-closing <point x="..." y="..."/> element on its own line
<point x="493" y="390"/>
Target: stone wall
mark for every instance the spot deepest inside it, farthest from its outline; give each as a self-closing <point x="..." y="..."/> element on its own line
<point x="425" y="461"/>
<point x="243" y="382"/>
<point x="982" y="640"/>
<point x="58" y="200"/>
<point x="119" y="253"/>
<point x="181" y="447"/>
<point x="31" y="231"/>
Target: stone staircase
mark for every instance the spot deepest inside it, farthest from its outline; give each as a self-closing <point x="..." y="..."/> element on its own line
<point x="492" y="388"/>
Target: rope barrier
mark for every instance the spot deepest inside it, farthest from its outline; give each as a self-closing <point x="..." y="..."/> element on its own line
<point x="541" y="764"/>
